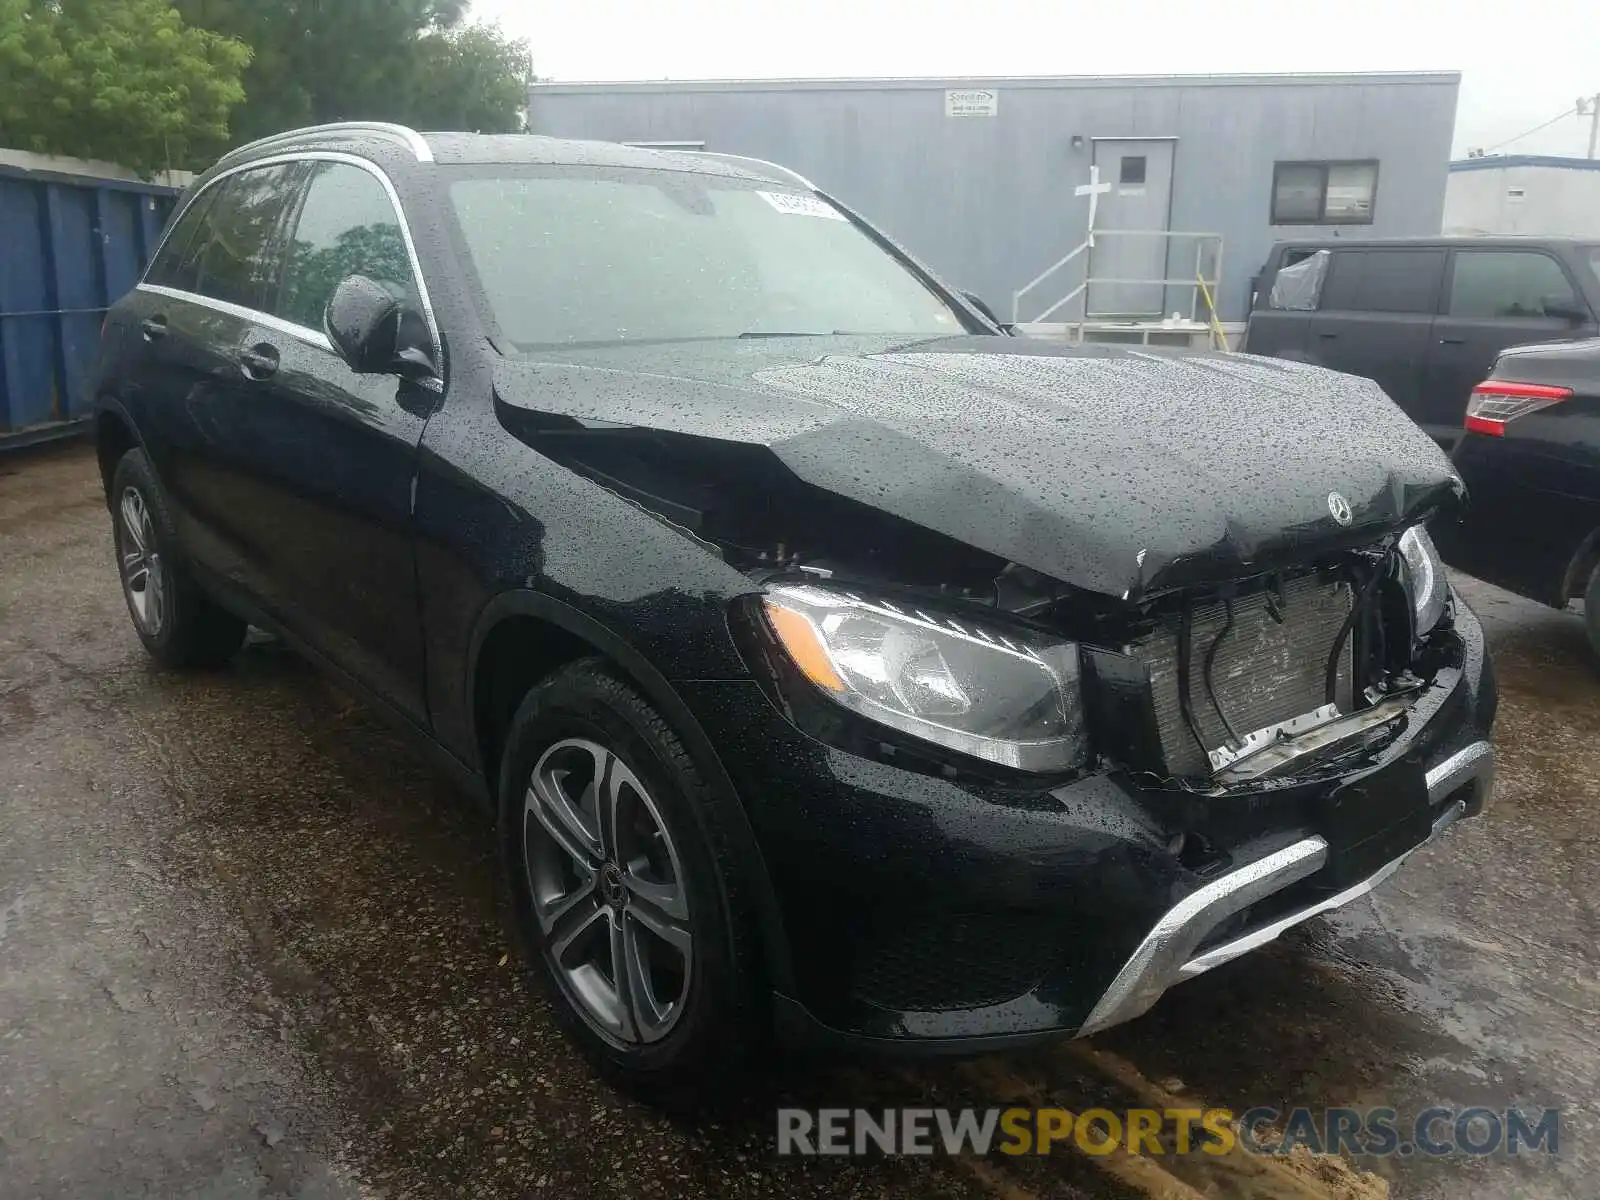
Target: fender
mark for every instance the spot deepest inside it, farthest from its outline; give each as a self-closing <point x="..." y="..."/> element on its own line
<point x="659" y="692"/>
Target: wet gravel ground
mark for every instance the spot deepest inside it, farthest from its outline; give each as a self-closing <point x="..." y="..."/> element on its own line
<point x="251" y="946"/>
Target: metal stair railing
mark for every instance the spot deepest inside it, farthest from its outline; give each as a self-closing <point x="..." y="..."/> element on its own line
<point x="1199" y="282"/>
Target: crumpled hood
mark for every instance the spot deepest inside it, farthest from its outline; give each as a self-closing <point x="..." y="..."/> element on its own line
<point x="1116" y="470"/>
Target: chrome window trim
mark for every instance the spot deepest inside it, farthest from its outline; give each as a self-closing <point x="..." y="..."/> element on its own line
<point x="299" y="156"/>
<point x="314" y="337"/>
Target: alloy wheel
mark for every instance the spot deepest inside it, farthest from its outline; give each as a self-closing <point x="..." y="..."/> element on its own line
<point x="608" y="892"/>
<point x="144" y="575"/>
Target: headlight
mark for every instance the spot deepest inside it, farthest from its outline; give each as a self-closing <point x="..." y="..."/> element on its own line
<point x="1423" y="574"/>
<point x="999" y="695"/>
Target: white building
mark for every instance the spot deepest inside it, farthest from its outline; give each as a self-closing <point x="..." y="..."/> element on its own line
<point x="1523" y="193"/>
<point x="992" y="180"/>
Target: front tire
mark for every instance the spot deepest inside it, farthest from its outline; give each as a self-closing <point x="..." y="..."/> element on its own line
<point x="625" y="894"/>
<point x="179" y="624"/>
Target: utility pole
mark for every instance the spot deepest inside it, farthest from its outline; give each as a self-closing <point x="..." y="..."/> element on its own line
<point x="1589" y="106"/>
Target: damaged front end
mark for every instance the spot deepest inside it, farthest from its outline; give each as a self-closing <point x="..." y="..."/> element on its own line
<point x="1058" y="733"/>
<point x="1288" y="739"/>
<point x="1303" y="671"/>
<point x="1282" y="743"/>
<point x="1298" y="674"/>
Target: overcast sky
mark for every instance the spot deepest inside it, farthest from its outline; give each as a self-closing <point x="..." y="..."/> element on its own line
<point x="1517" y="71"/>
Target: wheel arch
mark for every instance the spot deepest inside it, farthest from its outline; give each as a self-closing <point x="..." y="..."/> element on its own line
<point x="114" y="435"/>
<point x="578" y="635"/>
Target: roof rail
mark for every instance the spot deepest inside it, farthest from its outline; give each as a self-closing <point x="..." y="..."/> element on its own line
<point x="746" y="160"/>
<point x="409" y="138"/>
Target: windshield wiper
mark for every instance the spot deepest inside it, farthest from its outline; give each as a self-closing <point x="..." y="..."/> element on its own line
<point x="763" y="333"/>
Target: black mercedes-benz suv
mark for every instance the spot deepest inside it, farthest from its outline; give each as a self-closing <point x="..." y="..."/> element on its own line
<point x="835" y="666"/>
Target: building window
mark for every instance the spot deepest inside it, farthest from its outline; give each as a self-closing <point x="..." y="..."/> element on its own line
<point x="1132" y="170"/>
<point x="1324" y="193"/>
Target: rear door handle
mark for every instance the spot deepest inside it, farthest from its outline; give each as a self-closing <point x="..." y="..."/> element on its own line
<point x="1452" y="341"/>
<point x="153" y="328"/>
<point x="259" y="361"/>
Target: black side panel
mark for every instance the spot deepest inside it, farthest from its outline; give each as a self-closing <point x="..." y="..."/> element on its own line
<point x="187" y="392"/>
<point x="319" y="495"/>
<point x="1377" y="318"/>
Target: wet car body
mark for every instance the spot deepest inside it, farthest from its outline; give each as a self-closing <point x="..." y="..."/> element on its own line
<point x="1531" y="457"/>
<point x="512" y="511"/>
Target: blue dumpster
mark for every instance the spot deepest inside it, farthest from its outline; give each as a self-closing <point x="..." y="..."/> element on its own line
<point x="69" y="246"/>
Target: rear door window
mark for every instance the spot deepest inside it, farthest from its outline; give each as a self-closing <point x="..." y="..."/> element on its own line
<point x="231" y="252"/>
<point x="1507" y="283"/>
<point x="347" y="226"/>
<point x="1385" y="281"/>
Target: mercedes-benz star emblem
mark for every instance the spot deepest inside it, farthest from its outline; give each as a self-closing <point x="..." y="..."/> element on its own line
<point x="1339" y="507"/>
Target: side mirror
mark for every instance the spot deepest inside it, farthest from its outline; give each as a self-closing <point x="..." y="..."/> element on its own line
<point x="376" y="332"/>
<point x="978" y="303"/>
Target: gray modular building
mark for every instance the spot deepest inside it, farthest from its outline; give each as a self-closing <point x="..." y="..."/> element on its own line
<point x="987" y="179"/>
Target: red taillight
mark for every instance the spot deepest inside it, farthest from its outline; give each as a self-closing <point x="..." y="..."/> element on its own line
<point x="1494" y="404"/>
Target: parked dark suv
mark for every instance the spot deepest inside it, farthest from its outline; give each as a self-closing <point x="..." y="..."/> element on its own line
<point x="1423" y="317"/>
<point x="834" y="665"/>
<point x="1531" y="455"/>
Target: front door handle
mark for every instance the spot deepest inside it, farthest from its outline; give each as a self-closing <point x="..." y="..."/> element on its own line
<point x="1327" y="335"/>
<point x="1448" y="341"/>
<point x="153" y="328"/>
<point x="259" y="361"/>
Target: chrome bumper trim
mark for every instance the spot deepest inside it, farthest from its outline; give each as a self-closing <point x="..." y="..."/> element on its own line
<point x="1474" y="765"/>
<point x="1167" y="954"/>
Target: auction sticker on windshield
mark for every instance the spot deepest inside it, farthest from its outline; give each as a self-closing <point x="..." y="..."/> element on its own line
<point x="801" y="206"/>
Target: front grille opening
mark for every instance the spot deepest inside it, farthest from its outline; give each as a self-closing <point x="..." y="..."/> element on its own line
<point x="1195" y="853"/>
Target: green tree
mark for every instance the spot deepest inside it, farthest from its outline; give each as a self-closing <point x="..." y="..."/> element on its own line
<point x="472" y="78"/>
<point x="124" y="80"/>
<point x="379" y="60"/>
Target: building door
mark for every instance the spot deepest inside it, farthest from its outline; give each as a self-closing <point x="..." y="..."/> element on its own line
<point x="1137" y="176"/>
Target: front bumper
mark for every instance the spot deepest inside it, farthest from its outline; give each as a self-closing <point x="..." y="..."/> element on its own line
<point x="924" y="915"/>
<point x="1172" y="951"/>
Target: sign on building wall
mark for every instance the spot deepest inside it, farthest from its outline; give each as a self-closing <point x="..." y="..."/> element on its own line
<point x="971" y="102"/>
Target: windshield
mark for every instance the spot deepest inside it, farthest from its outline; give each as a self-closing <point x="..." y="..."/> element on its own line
<point x="571" y="255"/>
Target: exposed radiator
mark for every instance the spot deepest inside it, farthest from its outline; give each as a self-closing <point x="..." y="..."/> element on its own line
<point x="1265" y="671"/>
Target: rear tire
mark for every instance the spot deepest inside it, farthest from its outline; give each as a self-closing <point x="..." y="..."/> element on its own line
<point x="179" y="624"/>
<point x="625" y="892"/>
